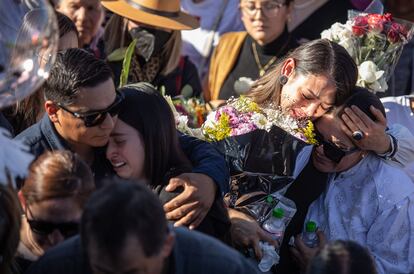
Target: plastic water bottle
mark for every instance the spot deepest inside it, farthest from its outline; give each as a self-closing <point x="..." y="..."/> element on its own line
<point x="275" y="225"/>
<point x="309" y="237"/>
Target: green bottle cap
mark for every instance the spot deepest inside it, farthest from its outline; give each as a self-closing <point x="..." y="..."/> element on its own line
<point x="310" y="226"/>
<point x="269" y="199"/>
<point x="278" y="212"/>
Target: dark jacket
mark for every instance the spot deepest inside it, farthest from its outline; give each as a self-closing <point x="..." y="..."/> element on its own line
<point x="43" y="136"/>
<point x="193" y="253"/>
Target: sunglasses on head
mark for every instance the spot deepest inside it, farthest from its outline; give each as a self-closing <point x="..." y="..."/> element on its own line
<point x="43" y="228"/>
<point x="333" y="152"/>
<point x="94" y="118"/>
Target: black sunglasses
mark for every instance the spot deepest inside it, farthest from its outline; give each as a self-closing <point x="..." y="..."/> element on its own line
<point x="333" y="152"/>
<point x="95" y="118"/>
<point x="43" y="228"/>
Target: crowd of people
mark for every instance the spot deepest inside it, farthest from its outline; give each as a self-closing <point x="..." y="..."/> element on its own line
<point x="114" y="187"/>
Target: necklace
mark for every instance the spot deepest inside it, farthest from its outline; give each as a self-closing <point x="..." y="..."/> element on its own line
<point x="262" y="69"/>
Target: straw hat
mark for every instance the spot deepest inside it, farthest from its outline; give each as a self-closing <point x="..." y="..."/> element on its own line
<point x="160" y="13"/>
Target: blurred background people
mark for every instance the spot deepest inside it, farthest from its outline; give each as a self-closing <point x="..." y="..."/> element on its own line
<point x="216" y="18"/>
<point x="137" y="240"/>
<point x="88" y="16"/>
<point x="156" y="58"/>
<point x="52" y="198"/>
<point x="402" y="81"/>
<point x="242" y="57"/>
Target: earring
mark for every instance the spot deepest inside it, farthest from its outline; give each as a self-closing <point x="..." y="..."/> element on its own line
<point x="283" y="79"/>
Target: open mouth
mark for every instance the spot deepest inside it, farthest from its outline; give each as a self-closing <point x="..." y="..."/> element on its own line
<point x="118" y="165"/>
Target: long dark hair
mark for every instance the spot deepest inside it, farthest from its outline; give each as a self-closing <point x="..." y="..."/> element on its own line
<point x="318" y="57"/>
<point x="146" y="110"/>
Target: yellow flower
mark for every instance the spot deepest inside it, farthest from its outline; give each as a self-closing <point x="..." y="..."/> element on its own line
<point x="245" y="104"/>
<point x="220" y="130"/>
<point x="309" y="132"/>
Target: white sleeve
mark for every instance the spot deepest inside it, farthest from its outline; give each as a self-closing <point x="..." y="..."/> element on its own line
<point x="404" y="154"/>
<point x="390" y="238"/>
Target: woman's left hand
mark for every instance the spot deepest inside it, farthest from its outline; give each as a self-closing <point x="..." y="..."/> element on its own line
<point x="375" y="138"/>
<point x="304" y="254"/>
<point x="191" y="206"/>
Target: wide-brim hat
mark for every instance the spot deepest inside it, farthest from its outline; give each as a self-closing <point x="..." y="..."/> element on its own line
<point x="159" y="13"/>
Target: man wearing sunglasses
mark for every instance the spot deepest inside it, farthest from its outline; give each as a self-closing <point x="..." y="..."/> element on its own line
<point x="81" y="111"/>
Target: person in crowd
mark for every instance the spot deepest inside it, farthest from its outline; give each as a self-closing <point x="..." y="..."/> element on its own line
<point x="242" y="57"/>
<point x="144" y="145"/>
<point x="216" y="18"/>
<point x="302" y="84"/>
<point x="87" y="16"/>
<point x="30" y="110"/>
<point x="9" y="229"/>
<point x="402" y="81"/>
<point x="81" y="110"/>
<point x="306" y="83"/>
<point x="342" y="257"/>
<point x="156" y="56"/>
<point x="400" y="110"/>
<point x="52" y="197"/>
<point x="137" y="240"/>
<point x="367" y="200"/>
<point x="310" y="18"/>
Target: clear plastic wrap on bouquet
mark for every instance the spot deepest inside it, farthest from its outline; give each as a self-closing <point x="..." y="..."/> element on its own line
<point x="375" y="42"/>
<point x="262" y="163"/>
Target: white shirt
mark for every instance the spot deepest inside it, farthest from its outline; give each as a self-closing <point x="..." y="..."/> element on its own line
<point x="398" y="111"/>
<point x="196" y="42"/>
<point x="372" y="204"/>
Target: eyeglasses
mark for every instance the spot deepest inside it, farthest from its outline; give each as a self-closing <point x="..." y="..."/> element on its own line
<point x="44" y="228"/>
<point x="268" y="8"/>
<point x="333" y="152"/>
<point x="95" y="118"/>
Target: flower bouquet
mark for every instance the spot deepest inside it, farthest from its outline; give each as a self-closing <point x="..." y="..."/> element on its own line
<point x="264" y="147"/>
<point x="375" y="42"/>
<point x="193" y="108"/>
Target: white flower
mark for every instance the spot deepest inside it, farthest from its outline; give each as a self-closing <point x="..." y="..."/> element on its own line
<point x="243" y="85"/>
<point x="259" y="120"/>
<point x="327" y="34"/>
<point x="210" y="120"/>
<point x="348" y="44"/>
<point x="368" y="72"/>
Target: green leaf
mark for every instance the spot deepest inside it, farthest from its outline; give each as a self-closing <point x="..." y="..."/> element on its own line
<point x="127" y="63"/>
<point x="117" y="55"/>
